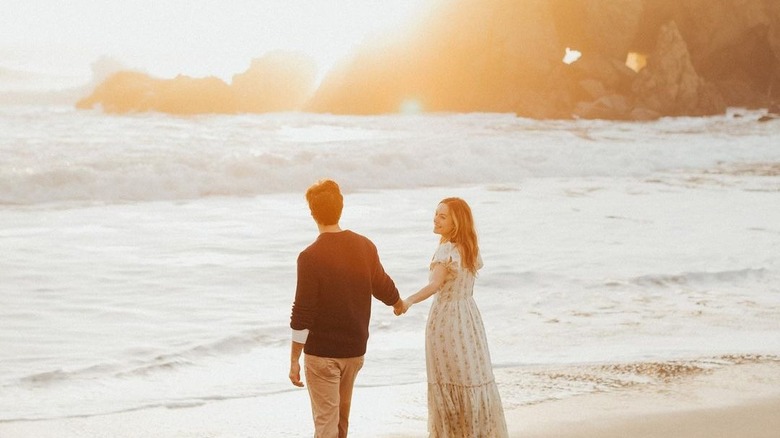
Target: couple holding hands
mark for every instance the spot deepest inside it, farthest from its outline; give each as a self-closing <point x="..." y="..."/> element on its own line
<point x="337" y="276"/>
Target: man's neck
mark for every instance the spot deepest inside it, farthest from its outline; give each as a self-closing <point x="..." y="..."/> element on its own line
<point x="335" y="228"/>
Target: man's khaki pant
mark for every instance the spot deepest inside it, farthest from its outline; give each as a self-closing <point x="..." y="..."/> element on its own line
<point x="330" y="382"/>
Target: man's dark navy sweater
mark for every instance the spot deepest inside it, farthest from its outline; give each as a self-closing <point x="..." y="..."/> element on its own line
<point x="337" y="276"/>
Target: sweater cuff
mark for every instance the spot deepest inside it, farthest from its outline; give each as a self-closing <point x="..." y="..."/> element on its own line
<point x="300" y="336"/>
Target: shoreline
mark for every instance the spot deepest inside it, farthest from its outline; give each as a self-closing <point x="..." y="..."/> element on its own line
<point x="741" y="400"/>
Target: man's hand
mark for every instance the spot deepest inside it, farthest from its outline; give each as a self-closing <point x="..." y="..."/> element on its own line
<point x="296" y="348"/>
<point x="400" y="307"/>
<point x="295" y="374"/>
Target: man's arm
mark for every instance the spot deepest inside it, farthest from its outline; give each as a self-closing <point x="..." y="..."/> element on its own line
<point x="383" y="287"/>
<point x="302" y="315"/>
<point x="295" y="365"/>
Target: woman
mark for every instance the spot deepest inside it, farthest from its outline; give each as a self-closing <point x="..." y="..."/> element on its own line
<point x="463" y="400"/>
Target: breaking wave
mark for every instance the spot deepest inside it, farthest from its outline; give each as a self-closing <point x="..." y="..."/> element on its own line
<point x="62" y="155"/>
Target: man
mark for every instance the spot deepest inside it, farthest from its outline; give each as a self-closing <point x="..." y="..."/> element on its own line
<point x="337" y="276"/>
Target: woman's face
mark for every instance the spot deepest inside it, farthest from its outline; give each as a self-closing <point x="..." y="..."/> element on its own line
<point x="442" y="221"/>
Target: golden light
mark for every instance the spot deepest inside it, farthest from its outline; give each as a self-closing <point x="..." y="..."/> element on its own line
<point x="636" y="61"/>
<point x="571" y="56"/>
<point x="201" y="38"/>
<point x="411" y="106"/>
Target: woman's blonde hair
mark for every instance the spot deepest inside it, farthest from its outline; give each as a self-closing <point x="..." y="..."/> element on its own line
<point x="464" y="235"/>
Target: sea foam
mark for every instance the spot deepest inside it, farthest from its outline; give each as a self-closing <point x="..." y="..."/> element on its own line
<point x="64" y="155"/>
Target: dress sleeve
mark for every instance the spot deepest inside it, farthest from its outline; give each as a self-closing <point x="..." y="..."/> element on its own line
<point x="444" y="256"/>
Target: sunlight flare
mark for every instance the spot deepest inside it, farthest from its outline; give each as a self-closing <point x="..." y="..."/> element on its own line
<point x="571" y="56"/>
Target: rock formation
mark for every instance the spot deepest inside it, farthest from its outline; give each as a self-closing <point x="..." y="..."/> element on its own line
<point x="695" y="57"/>
<point x="500" y="55"/>
<point x="730" y="44"/>
<point x="275" y="82"/>
<point x="472" y="55"/>
<point x="670" y="85"/>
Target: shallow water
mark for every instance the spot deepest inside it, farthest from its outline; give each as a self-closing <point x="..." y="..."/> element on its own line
<point x="149" y="260"/>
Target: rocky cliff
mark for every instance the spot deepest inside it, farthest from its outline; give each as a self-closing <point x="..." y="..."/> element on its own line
<point x="276" y="82"/>
<point x="640" y="59"/>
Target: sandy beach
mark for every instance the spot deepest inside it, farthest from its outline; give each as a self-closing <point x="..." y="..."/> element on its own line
<point x="739" y="402"/>
<point x="736" y="401"/>
<point x="753" y="419"/>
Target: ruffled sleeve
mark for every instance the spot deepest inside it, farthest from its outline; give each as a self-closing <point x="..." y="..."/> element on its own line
<point x="447" y="255"/>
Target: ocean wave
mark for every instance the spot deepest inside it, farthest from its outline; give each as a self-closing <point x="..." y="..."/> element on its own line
<point x="59" y="155"/>
<point x="520" y="383"/>
<point x="45" y="377"/>
<point x="702" y="277"/>
<point x="501" y="276"/>
<point x="169" y="362"/>
<point x="178" y="403"/>
<point x="227" y="346"/>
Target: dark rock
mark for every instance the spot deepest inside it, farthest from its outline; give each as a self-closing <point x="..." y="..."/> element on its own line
<point x="605" y="28"/>
<point x="186" y="95"/>
<point x="506" y="56"/>
<point x="669" y="84"/>
<point x="613" y="74"/>
<point x="138" y="92"/>
<point x="469" y="55"/>
<point x="739" y="93"/>
<point x="644" y="114"/>
<point x="279" y="81"/>
<point x="729" y="41"/>
<point x="594" y="88"/>
<point x="612" y="107"/>
<point x="276" y="82"/>
<point x="123" y="92"/>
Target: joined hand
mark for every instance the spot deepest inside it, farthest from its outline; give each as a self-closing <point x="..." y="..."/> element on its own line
<point x="400" y="307"/>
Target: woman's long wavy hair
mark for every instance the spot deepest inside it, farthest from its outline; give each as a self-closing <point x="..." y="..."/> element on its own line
<point x="463" y="235"/>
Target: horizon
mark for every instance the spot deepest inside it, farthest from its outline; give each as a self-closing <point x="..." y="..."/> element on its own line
<point x="57" y="43"/>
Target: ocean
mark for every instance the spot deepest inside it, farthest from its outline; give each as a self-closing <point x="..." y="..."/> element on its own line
<point x="148" y="261"/>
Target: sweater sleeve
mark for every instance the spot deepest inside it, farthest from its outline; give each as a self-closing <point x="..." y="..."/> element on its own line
<point x="306" y="296"/>
<point x="382" y="286"/>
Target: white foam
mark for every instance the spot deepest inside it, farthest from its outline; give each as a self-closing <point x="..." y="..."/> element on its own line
<point x="55" y="155"/>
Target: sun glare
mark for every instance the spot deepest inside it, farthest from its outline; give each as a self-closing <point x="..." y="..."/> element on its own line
<point x="571" y="56"/>
<point x="204" y="37"/>
<point x="329" y="31"/>
<point x="636" y="61"/>
<point x="411" y="106"/>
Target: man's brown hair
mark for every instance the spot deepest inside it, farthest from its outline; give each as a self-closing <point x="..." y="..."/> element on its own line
<point x="325" y="202"/>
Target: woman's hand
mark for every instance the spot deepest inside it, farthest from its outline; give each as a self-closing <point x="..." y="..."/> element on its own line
<point x="401" y="307"/>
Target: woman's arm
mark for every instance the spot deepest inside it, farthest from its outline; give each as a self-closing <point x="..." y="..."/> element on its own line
<point x="437" y="281"/>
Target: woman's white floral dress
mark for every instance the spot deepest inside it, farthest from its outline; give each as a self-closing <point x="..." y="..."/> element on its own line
<point x="463" y="400"/>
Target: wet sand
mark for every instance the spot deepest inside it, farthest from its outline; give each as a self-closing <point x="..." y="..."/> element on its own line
<point x="740" y="402"/>
<point x="755" y="419"/>
<point x="736" y="401"/>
